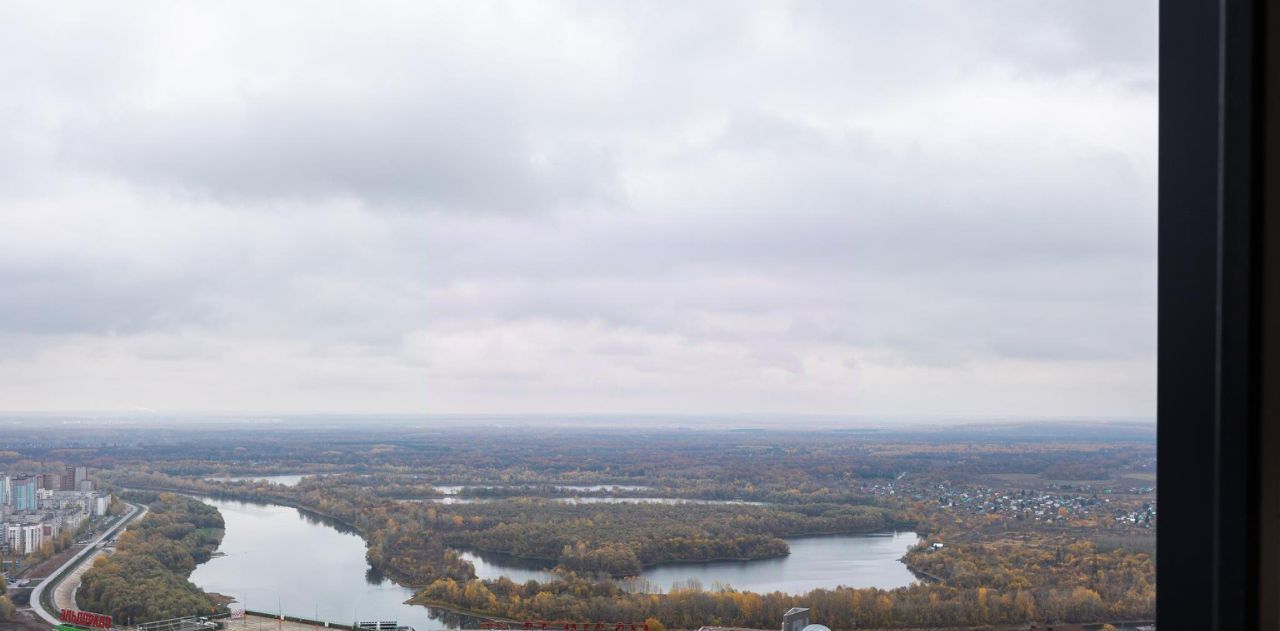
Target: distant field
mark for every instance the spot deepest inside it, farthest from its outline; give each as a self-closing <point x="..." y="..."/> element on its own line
<point x="1146" y="477"/>
<point x="1035" y="479"/>
<point x="1032" y="479"/>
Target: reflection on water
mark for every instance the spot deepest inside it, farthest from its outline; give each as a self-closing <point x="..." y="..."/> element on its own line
<point x="449" y="499"/>
<point x="815" y="562"/>
<point x="601" y="487"/>
<point x="493" y="565"/>
<point x="277" y="558"/>
<point x="282" y="480"/>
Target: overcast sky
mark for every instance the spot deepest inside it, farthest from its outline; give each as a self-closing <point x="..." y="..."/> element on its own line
<point x="870" y="209"/>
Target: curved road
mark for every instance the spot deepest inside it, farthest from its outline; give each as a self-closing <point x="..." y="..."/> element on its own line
<point x="37" y="595"/>
<point x="63" y="595"/>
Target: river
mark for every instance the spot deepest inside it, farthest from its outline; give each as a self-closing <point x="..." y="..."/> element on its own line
<point x="279" y="558"/>
<point x="276" y="558"/>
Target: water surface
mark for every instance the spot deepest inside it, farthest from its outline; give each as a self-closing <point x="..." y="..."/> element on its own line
<point x="277" y="558"/>
<point x="282" y="480"/>
<point x="870" y="560"/>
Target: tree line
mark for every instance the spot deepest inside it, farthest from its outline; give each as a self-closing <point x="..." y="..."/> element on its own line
<point x="921" y="605"/>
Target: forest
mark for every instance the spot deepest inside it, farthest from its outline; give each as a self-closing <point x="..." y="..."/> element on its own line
<point x="146" y="578"/>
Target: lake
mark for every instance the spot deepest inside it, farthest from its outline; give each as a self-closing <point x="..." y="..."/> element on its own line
<point x="827" y="561"/>
<point x="280" y="558"/>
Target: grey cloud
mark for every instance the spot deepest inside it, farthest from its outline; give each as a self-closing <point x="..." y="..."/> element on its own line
<point x="460" y="155"/>
<point x="939" y="289"/>
<point x="1039" y="38"/>
<point x="810" y="207"/>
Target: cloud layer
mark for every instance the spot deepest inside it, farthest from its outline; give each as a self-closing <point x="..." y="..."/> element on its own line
<point x="892" y="209"/>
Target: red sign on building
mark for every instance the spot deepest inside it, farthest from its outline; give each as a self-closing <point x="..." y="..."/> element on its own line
<point x="85" y="619"/>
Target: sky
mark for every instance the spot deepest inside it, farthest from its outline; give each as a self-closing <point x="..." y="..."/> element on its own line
<point x="860" y="209"/>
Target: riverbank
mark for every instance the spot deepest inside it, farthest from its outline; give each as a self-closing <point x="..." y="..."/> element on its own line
<point x="274" y="560"/>
<point x="424" y="601"/>
<point x="179" y="534"/>
<point x="241" y="498"/>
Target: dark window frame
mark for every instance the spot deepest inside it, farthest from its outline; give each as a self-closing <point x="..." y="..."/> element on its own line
<point x="1218" y="393"/>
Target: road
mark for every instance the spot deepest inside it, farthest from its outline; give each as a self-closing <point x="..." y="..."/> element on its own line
<point x="37" y="595"/>
<point x="64" y="595"/>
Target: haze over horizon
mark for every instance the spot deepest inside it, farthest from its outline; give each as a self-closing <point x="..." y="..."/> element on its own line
<point x="892" y="210"/>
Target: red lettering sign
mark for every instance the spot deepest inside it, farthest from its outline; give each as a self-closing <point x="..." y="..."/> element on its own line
<point x="85" y="618"/>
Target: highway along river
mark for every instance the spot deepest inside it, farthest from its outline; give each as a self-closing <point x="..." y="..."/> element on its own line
<point x="279" y="558"/>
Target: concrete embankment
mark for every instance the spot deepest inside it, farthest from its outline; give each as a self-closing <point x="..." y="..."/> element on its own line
<point x="64" y="596"/>
<point x="263" y="621"/>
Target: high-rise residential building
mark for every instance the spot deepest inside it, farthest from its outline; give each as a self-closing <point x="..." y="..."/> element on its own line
<point x="23" y="489"/>
<point x="73" y="478"/>
<point x="49" y="481"/>
<point x="32" y="537"/>
<point x="4" y="490"/>
<point x="24" y="539"/>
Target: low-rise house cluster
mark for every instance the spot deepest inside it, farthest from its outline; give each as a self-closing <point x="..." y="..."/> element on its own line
<point x="1084" y="501"/>
<point x="1144" y="517"/>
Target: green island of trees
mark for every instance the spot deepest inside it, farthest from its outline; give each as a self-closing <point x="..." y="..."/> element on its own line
<point x="621" y="539"/>
<point x="146" y="578"/>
